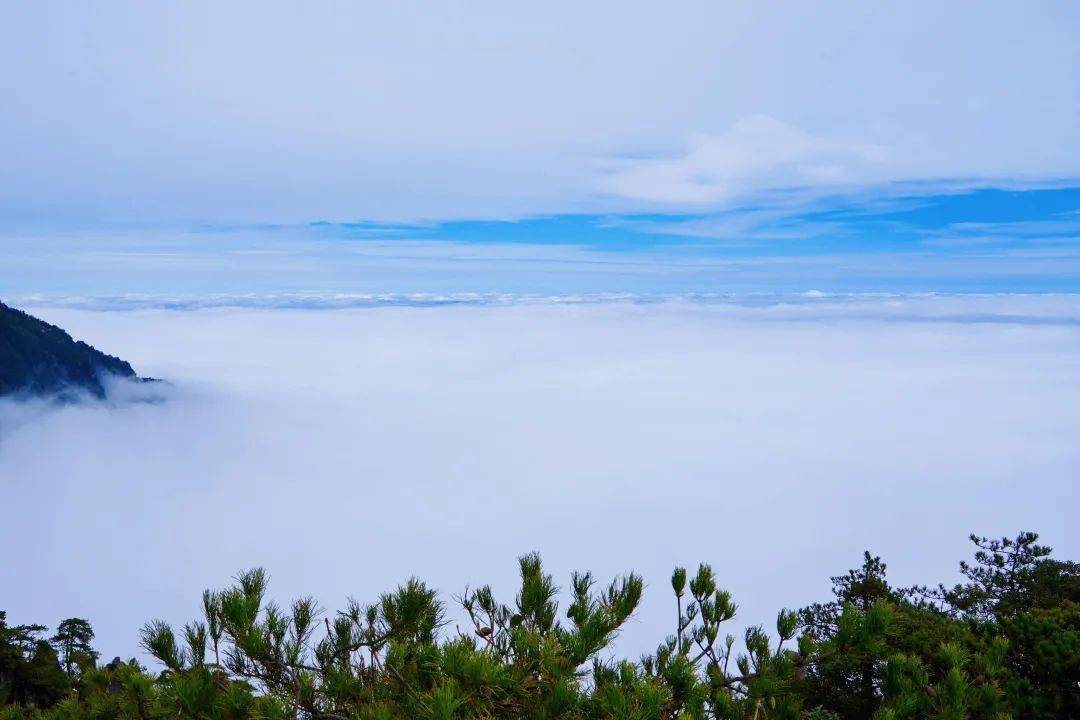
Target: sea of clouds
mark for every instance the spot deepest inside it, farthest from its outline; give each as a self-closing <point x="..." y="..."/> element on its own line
<point x="347" y="448"/>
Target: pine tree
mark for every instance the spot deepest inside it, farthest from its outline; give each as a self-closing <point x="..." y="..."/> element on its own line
<point x="72" y="641"/>
<point x="1005" y="643"/>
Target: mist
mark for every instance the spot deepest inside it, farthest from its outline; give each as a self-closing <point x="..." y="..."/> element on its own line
<point x="348" y="449"/>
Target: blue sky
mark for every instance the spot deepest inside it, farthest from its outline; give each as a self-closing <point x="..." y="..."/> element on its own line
<point x="985" y="217"/>
<point x="986" y="241"/>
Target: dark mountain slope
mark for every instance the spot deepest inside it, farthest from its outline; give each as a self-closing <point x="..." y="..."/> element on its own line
<point x="37" y="358"/>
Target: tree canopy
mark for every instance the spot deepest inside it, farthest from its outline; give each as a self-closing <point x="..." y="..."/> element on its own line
<point x="1003" y="643"/>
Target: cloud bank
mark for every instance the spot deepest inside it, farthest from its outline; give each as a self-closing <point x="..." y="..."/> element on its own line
<point x="266" y="111"/>
<point x="348" y="449"/>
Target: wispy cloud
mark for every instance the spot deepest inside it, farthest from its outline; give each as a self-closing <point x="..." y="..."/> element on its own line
<point x="988" y="240"/>
<point x="758" y="154"/>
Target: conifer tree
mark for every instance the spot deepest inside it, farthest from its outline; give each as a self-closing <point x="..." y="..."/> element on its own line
<point x="1003" y="643"/>
<point x="72" y="641"/>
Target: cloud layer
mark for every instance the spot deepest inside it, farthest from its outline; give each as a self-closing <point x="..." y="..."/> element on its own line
<point x="270" y="112"/>
<point x="347" y="449"/>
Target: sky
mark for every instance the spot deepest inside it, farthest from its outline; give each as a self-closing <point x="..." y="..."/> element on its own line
<point x="983" y="241"/>
<point x="836" y="146"/>
<point x="528" y="276"/>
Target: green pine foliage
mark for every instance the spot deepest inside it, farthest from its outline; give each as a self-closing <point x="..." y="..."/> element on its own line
<point x="1003" y="644"/>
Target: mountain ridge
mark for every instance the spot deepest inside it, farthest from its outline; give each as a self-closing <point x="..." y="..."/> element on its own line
<point x="38" y="359"/>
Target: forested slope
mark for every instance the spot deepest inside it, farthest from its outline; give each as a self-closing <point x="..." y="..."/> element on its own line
<point x="39" y="359"/>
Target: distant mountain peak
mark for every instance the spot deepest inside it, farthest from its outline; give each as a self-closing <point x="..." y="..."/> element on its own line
<point x="39" y="359"/>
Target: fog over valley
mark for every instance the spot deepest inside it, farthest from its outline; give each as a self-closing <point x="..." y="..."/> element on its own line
<point x="344" y="449"/>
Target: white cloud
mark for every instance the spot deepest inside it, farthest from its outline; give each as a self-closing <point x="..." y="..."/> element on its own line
<point x="756" y="155"/>
<point x="345" y="450"/>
